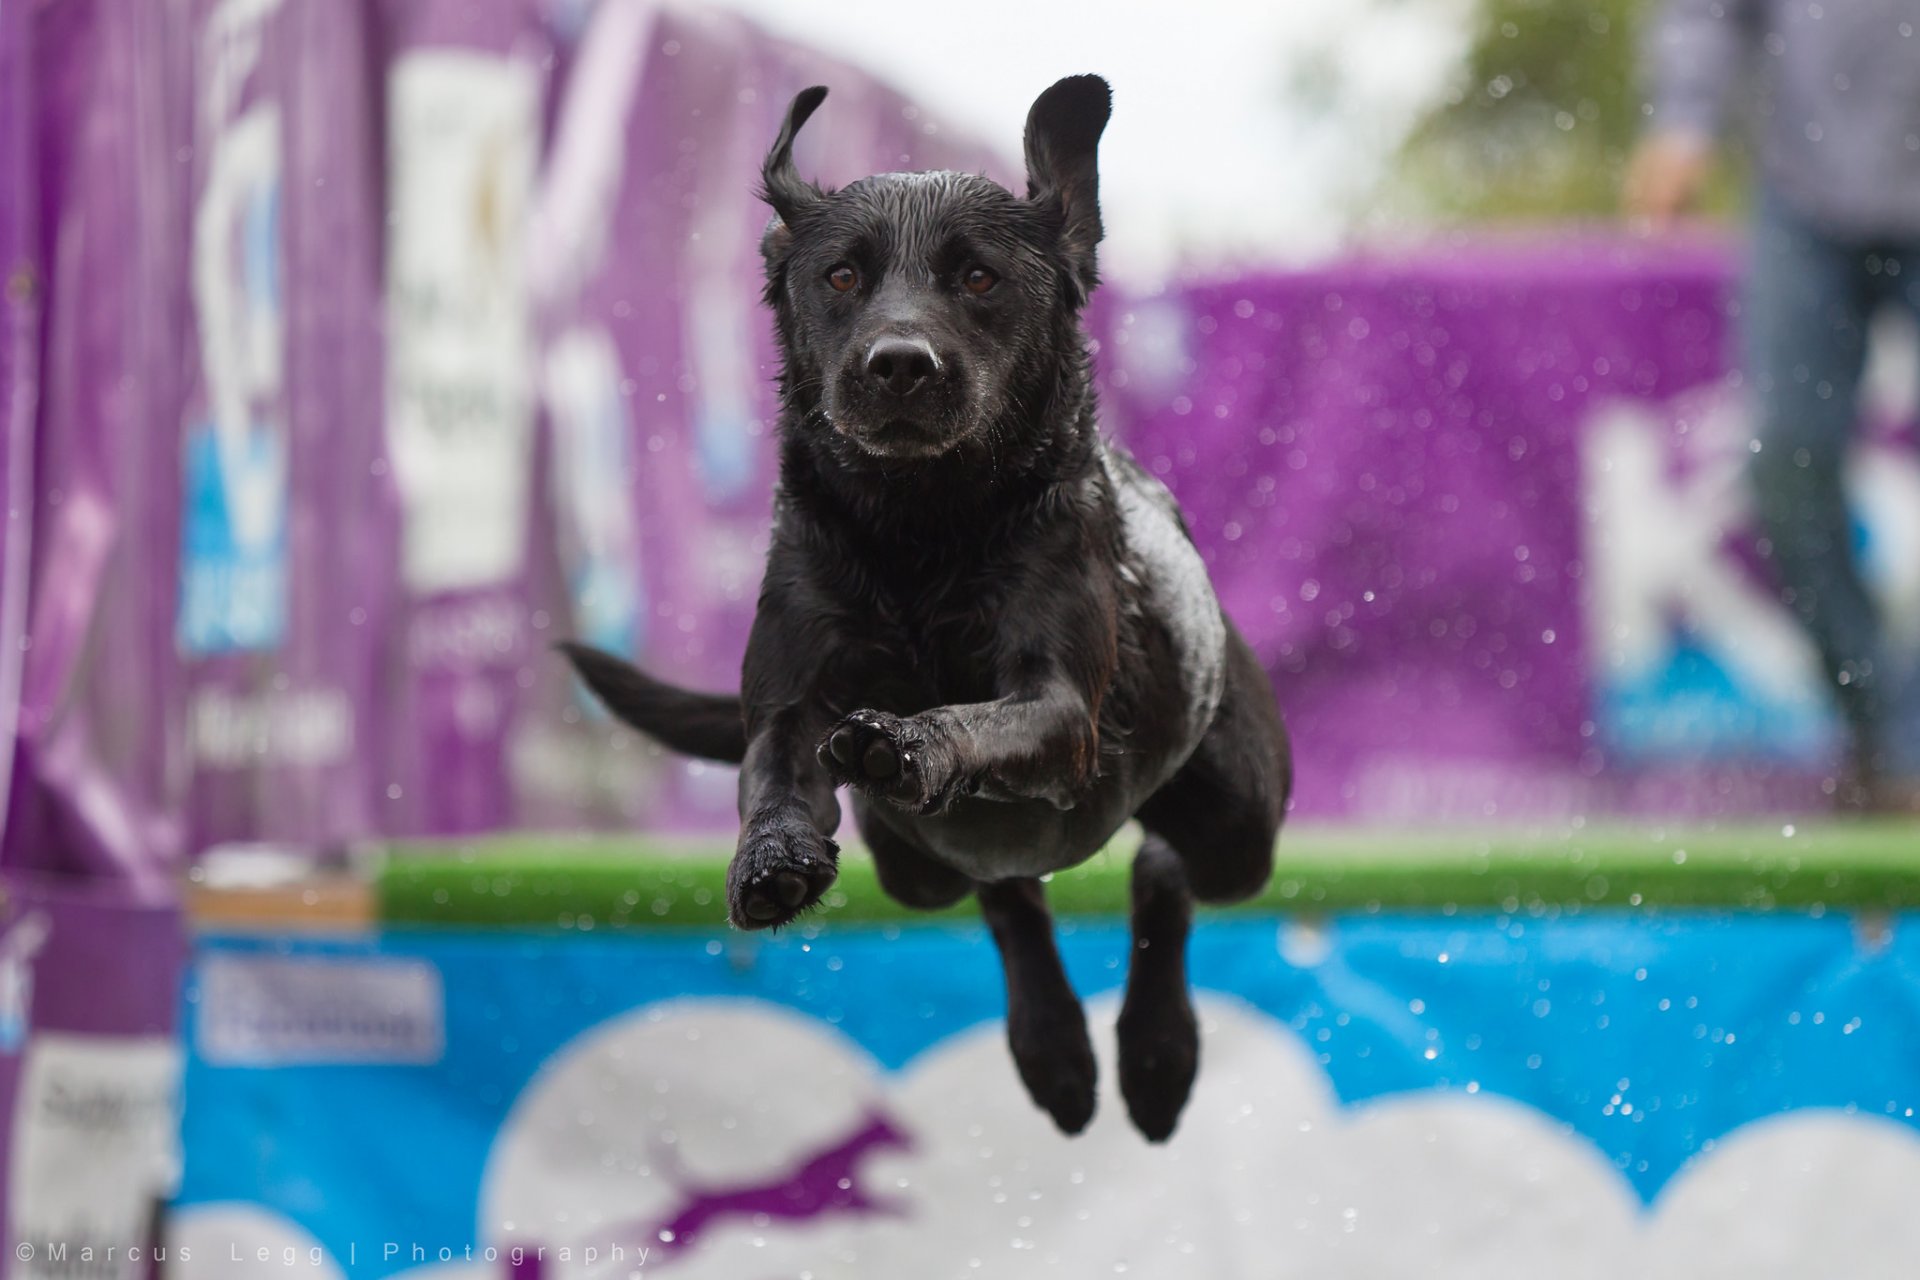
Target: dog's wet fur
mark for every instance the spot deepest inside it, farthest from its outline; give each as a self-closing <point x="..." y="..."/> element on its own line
<point x="986" y="621"/>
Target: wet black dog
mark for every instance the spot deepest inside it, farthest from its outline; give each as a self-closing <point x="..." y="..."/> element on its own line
<point x="984" y="619"/>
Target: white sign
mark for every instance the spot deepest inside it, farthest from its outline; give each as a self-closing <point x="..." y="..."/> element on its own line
<point x="463" y="129"/>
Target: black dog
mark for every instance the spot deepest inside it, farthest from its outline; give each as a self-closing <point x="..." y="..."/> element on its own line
<point x="983" y="618"/>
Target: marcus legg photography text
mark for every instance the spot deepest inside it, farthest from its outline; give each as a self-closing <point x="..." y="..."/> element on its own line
<point x="525" y="1260"/>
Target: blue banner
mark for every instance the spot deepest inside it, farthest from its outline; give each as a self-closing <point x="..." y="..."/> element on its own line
<point x="1475" y="1094"/>
<point x="1469" y="1095"/>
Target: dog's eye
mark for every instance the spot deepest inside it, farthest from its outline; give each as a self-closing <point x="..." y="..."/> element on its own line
<point x="843" y="277"/>
<point x="979" y="280"/>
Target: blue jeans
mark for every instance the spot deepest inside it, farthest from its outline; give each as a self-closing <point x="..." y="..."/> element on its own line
<point x="1809" y="299"/>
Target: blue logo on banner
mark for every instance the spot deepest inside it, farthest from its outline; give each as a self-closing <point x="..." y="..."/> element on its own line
<point x="233" y="570"/>
<point x="1694" y="706"/>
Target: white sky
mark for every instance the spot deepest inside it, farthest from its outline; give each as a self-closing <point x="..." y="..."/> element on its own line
<point x="1242" y="131"/>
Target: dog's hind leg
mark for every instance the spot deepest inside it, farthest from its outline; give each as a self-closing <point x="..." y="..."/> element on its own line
<point x="1210" y="834"/>
<point x="1222" y="811"/>
<point x="1046" y="1028"/>
<point x="909" y="874"/>
<point x="1159" y="1038"/>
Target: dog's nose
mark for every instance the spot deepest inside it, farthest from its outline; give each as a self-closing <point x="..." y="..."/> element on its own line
<point x="902" y="365"/>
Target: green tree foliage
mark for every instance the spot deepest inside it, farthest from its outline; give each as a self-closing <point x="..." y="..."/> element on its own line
<point x="1541" y="123"/>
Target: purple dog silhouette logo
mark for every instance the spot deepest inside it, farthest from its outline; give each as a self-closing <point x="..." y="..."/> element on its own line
<point x="825" y="1184"/>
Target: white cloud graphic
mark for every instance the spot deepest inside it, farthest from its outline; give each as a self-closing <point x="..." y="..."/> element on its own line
<point x="1808" y="1193"/>
<point x="640" y="1120"/>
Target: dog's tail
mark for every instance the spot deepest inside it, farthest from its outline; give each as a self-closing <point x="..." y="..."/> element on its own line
<point x="706" y="725"/>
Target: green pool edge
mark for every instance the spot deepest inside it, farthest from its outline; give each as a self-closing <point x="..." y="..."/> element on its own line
<point x="571" y="882"/>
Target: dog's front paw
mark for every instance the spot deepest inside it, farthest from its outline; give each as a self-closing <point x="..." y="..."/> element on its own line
<point x="781" y="868"/>
<point x="889" y="757"/>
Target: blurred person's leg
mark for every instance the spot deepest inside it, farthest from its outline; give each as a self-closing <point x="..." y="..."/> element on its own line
<point x="1897" y="272"/>
<point x="1808" y="301"/>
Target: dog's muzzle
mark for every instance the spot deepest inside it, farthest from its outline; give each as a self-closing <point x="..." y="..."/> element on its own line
<point x="898" y="399"/>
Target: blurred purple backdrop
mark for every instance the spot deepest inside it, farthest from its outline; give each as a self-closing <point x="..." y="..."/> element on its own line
<point x="357" y="351"/>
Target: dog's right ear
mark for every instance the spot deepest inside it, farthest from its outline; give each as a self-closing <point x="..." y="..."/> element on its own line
<point x="780" y="183"/>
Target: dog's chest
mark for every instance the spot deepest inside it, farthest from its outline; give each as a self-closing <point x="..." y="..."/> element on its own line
<point x="937" y="644"/>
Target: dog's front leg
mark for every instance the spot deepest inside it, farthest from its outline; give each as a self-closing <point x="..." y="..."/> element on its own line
<point x="785" y="858"/>
<point x="1037" y="745"/>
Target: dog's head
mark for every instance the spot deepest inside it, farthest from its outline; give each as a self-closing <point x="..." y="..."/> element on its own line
<point x="920" y="311"/>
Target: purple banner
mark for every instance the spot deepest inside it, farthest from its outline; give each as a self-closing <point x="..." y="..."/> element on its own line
<point x="97" y="776"/>
<point x="1484" y="515"/>
<point x="287" y="524"/>
<point x="19" y="358"/>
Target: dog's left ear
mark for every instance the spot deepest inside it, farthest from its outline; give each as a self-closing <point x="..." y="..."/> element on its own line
<point x="1063" y="133"/>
